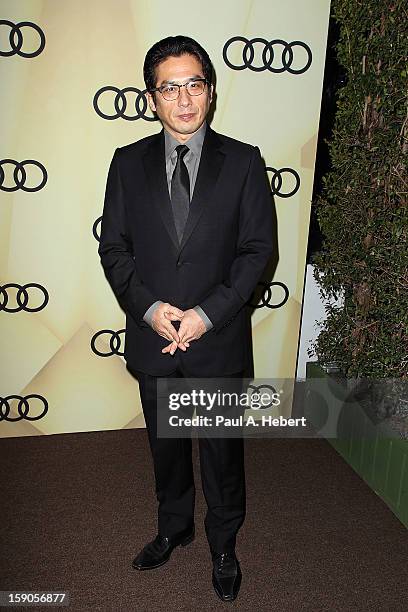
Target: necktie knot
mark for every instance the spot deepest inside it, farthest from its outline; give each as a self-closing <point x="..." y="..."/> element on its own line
<point x="181" y="151"/>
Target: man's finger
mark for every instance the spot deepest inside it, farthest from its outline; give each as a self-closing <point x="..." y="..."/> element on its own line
<point x="185" y="334"/>
<point x="172" y="317"/>
<point x="168" y="327"/>
<point x="174" y="345"/>
<point x="171" y="348"/>
<point x="186" y="337"/>
<point x="164" y="334"/>
<point x="175" y="311"/>
<point x="182" y="346"/>
<point x="182" y="332"/>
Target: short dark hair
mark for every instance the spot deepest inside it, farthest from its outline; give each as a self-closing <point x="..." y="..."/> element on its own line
<point x="174" y="46"/>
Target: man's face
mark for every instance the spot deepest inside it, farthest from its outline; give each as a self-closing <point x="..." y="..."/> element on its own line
<point x="185" y="115"/>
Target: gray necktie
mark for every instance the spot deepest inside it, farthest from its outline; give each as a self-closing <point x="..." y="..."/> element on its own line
<point x="180" y="191"/>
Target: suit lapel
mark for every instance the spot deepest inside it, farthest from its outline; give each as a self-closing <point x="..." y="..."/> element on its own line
<point x="211" y="161"/>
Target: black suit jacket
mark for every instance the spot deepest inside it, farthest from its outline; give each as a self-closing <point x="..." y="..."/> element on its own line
<point x="227" y="241"/>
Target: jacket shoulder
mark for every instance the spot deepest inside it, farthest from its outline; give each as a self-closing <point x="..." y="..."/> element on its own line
<point x="234" y="145"/>
<point x="136" y="147"/>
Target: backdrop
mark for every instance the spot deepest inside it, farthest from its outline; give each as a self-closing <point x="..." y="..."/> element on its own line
<point x="73" y="91"/>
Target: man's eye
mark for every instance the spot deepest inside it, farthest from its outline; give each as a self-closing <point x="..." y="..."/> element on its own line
<point x="193" y="85"/>
<point x="169" y="89"/>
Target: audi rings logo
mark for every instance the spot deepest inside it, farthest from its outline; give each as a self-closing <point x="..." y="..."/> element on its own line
<point x="19" y="175"/>
<point x="22" y="297"/>
<point x="277" y="181"/>
<point x="120" y="103"/>
<point x="24" y="406"/>
<point x="268" y="294"/>
<point x="257" y="389"/>
<point x="17" y="41"/>
<point x="96" y="229"/>
<point x="114" y="342"/>
<point x="248" y="53"/>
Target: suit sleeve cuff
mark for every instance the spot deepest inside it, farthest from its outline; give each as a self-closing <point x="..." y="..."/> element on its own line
<point x="207" y="321"/>
<point x="148" y="315"/>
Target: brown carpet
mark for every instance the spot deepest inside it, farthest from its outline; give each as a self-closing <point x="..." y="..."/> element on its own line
<point x="76" y="508"/>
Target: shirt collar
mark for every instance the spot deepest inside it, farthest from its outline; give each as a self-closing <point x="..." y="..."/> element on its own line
<point x="195" y="143"/>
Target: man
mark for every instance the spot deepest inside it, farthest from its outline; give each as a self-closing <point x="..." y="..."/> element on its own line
<point x="186" y="233"/>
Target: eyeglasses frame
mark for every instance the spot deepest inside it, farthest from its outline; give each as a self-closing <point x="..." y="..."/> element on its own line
<point x="203" y="79"/>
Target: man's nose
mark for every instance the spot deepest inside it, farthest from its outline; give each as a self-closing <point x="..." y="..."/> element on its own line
<point x="184" y="97"/>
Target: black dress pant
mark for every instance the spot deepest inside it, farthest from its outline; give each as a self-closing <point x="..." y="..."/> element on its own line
<point x="222" y="473"/>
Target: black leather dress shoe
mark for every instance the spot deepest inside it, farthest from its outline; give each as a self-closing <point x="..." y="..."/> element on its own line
<point x="157" y="552"/>
<point x="226" y="576"/>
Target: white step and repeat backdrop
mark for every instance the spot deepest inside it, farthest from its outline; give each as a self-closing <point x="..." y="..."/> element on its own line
<point x="72" y="91"/>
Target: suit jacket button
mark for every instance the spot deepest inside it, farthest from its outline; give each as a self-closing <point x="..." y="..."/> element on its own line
<point x="179" y="264"/>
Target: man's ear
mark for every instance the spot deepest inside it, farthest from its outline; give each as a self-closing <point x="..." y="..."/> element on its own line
<point x="211" y="92"/>
<point x="151" y="101"/>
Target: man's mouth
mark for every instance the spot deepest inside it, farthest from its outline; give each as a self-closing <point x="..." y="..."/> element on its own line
<point x="186" y="116"/>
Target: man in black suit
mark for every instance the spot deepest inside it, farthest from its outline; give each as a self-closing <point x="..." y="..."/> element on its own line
<point x="187" y="231"/>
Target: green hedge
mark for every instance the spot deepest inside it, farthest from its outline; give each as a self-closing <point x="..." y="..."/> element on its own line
<point x="362" y="209"/>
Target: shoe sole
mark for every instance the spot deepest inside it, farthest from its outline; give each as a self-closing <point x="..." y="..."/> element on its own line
<point x="188" y="540"/>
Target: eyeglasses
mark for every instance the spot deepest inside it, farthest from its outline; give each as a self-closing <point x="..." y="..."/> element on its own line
<point x="195" y="87"/>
